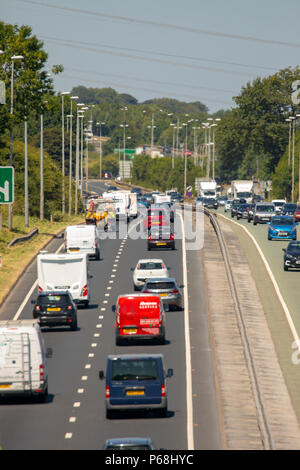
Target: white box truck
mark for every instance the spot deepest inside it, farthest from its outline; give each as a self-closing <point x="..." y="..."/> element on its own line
<point x="64" y="272"/>
<point x="207" y="189"/>
<point x="133" y="210"/>
<point x="23" y="369"/>
<point x="82" y="239"/>
<point x="242" y="189"/>
<point x="161" y="198"/>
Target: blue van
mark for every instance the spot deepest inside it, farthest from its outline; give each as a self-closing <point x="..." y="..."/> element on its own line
<point x="135" y="382"/>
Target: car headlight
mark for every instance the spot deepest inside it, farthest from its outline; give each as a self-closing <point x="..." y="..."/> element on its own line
<point x="272" y="228"/>
<point x="289" y="256"/>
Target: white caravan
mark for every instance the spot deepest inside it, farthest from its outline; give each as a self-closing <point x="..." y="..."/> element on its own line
<point x="82" y="239"/>
<point x="23" y="368"/>
<point x="242" y="189"/>
<point x="161" y="198"/>
<point x="64" y="272"/>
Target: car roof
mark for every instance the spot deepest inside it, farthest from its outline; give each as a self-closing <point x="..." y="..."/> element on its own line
<point x="54" y="292"/>
<point x="150" y="260"/>
<point x="114" y="357"/>
<point x="128" y="440"/>
<point x="161" y="279"/>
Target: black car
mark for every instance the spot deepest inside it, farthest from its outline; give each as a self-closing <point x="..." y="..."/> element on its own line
<point x="235" y="204"/>
<point x="291" y="257"/>
<point x="55" y="308"/>
<point x="176" y="197"/>
<point x="136" y="190"/>
<point x="210" y="203"/>
<point x="288" y="209"/>
<point x="242" y="211"/>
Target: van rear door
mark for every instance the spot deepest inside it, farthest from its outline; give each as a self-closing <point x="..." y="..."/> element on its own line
<point x="15" y="362"/>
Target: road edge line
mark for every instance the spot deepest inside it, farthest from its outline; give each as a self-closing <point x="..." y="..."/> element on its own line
<point x="189" y="393"/>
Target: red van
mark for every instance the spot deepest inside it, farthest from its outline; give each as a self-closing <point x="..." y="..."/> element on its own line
<point x="139" y="316"/>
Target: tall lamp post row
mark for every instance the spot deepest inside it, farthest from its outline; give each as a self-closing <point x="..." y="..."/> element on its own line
<point x="291" y="158"/>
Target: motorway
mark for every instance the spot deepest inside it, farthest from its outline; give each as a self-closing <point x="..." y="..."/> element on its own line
<point x="73" y="416"/>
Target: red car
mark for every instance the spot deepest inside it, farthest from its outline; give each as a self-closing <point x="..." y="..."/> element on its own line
<point x="139" y="316"/>
<point x="297" y="214"/>
<point x="156" y="217"/>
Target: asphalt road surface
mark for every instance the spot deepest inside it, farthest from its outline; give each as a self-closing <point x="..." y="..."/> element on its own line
<point x="73" y="416"/>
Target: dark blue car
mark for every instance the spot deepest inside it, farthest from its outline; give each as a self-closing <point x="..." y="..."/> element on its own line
<point x="135" y="382"/>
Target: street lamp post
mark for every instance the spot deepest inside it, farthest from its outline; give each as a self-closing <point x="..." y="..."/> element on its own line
<point x="42" y="165"/>
<point x="293" y="157"/>
<point x="13" y="58"/>
<point x="124" y="145"/>
<point x="100" y="124"/>
<point x="63" y="202"/>
<point x="77" y="157"/>
<point x="70" y="153"/>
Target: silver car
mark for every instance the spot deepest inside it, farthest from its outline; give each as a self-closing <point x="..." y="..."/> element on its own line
<point x="168" y="290"/>
<point x="263" y="213"/>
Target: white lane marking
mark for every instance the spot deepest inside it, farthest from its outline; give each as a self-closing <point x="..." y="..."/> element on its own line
<point x="109" y="287"/>
<point x="84" y="377"/>
<point x="189" y="391"/>
<point x="105" y="301"/>
<point x="87" y="366"/>
<point x="68" y="435"/>
<point x="96" y="335"/>
<point x="91" y="355"/>
<point x="94" y="345"/>
<point x="80" y="390"/>
<point x="72" y="419"/>
<point x="21" y="308"/>
<point x="100" y="317"/>
<point x="99" y="325"/>
<point x="274" y="282"/>
<point x="115" y="266"/>
<point x="103" y="309"/>
<point x="76" y="404"/>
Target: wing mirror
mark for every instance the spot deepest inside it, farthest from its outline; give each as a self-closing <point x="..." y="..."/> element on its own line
<point x="101" y="375"/>
<point x="113" y="308"/>
<point x="169" y="373"/>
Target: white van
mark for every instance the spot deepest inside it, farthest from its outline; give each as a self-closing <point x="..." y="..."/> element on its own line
<point x="82" y="239"/>
<point x="122" y="203"/>
<point x="133" y="210"/>
<point x="161" y="198"/>
<point x="64" y="272"/>
<point x="23" y="368"/>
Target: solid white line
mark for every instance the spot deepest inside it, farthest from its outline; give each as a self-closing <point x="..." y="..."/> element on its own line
<point x="188" y="363"/>
<point x="274" y="282"/>
<point x="21" y="308"/>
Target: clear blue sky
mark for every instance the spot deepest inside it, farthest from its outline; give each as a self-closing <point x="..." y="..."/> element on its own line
<point x="189" y="50"/>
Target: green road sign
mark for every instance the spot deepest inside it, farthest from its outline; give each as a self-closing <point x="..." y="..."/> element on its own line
<point x="129" y="152"/>
<point x="6" y="184"/>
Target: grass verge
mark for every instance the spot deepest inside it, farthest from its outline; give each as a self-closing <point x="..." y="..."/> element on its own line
<point x="16" y="258"/>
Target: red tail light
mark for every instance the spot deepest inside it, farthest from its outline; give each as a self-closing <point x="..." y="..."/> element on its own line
<point x="150" y="237"/>
<point x="171" y="236"/>
<point x="163" y="266"/>
<point x="41" y="372"/>
<point x="138" y="266"/>
<point x="107" y="392"/>
<point x="174" y="291"/>
<point x="69" y="307"/>
<point x="163" y="391"/>
<point x="40" y="289"/>
<point x="38" y="308"/>
<point x="84" y="291"/>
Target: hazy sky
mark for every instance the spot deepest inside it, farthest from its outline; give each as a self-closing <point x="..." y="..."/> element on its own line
<point x="192" y="50"/>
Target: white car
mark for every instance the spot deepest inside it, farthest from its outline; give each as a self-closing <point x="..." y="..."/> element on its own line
<point x="228" y="205"/>
<point x="148" y="268"/>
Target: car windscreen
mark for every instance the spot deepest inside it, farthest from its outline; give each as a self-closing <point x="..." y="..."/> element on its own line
<point x="134" y="369"/>
<point x="162" y="285"/>
<point x="150" y="265"/>
<point x="293" y="246"/>
<point x="289" y="207"/>
<point x="278" y="204"/>
<point x="283" y="221"/>
<point x="264" y="209"/>
<point x="53" y="299"/>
